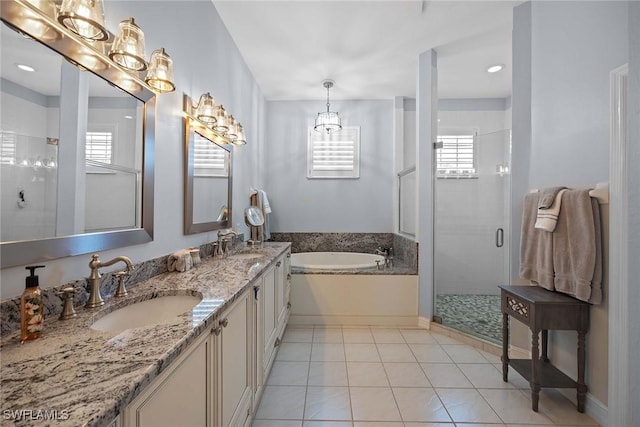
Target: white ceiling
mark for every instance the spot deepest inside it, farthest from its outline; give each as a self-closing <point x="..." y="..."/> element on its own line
<point x="371" y="48"/>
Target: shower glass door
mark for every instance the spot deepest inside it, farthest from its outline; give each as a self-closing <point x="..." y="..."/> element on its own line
<point x="472" y="188"/>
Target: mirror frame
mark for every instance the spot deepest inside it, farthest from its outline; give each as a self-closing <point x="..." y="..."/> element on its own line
<point x="17" y="14"/>
<point x="191" y="127"/>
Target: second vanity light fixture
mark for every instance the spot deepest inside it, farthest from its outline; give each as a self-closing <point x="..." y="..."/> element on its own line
<point x="86" y="19"/>
<point x="327" y="121"/>
<point x="225" y="128"/>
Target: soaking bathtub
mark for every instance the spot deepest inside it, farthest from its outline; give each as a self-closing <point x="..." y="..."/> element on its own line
<point x="345" y="288"/>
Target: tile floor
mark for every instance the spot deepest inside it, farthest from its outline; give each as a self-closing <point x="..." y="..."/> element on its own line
<point x="392" y="377"/>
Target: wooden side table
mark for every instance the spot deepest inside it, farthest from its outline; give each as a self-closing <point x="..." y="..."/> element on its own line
<point x="542" y="310"/>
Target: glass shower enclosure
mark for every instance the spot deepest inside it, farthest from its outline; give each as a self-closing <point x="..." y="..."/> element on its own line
<point x="471" y="248"/>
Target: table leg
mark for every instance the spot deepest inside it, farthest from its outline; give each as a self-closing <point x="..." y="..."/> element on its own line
<point x="581" y="386"/>
<point x="505" y="347"/>
<point x="535" y="382"/>
<point x="545" y="340"/>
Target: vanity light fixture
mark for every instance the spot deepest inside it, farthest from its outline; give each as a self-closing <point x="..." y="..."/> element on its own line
<point x="240" y="140"/>
<point x="232" y="132"/>
<point x="495" y="68"/>
<point x="160" y="73"/>
<point x="128" y="47"/>
<point x="85" y="18"/>
<point x="205" y="112"/>
<point x="222" y="120"/>
<point x="327" y="121"/>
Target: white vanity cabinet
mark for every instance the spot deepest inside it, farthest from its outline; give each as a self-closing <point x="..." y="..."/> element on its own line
<point x="180" y="396"/>
<point x="235" y="361"/>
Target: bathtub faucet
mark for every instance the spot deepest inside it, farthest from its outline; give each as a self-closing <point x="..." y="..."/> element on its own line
<point x="387" y="253"/>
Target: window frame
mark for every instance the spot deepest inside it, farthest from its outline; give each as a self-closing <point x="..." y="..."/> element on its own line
<point x="346" y="134"/>
<point x="460" y="132"/>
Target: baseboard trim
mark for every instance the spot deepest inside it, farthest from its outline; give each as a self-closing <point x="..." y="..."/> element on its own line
<point x="424" y="322"/>
<point x="301" y="319"/>
<point x="593" y="407"/>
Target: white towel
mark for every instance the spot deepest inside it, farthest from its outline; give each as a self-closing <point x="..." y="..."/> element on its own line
<point x="546" y="219"/>
<point x="266" y="207"/>
<point x="263" y="203"/>
<point x="179" y="261"/>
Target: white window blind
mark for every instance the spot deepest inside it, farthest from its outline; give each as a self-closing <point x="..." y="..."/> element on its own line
<point x="8" y="148"/>
<point x="99" y="147"/>
<point x="456" y="157"/>
<point x="334" y="155"/>
<point x="209" y="159"/>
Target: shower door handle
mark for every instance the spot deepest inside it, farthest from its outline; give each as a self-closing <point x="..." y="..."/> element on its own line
<point x="499" y="238"/>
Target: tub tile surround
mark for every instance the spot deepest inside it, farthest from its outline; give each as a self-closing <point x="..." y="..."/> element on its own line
<point x="405" y="250"/>
<point x="10" y="308"/>
<point x="94" y="375"/>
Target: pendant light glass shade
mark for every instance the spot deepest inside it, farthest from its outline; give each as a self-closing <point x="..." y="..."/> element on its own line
<point x="85" y="18"/>
<point x="327" y="121"/>
<point x="222" y="120"/>
<point x="128" y="47"/>
<point x="232" y="132"/>
<point x="160" y="73"/>
<point x="240" y="140"/>
<point x="206" y="109"/>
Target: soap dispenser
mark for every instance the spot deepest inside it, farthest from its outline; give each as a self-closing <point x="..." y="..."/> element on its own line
<point x="31" y="307"/>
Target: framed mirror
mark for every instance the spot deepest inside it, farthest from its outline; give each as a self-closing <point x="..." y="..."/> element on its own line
<point x="76" y="156"/>
<point x="207" y="178"/>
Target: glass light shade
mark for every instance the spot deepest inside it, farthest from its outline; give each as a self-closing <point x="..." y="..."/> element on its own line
<point x="222" y="120"/>
<point x="240" y="140"/>
<point x="128" y="47"/>
<point x="160" y="73"/>
<point x="85" y="18"/>
<point x="232" y="132"/>
<point x="38" y="27"/>
<point x="327" y="121"/>
<point x="206" y="109"/>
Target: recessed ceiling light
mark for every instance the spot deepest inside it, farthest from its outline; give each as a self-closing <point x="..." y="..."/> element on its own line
<point x="495" y="68"/>
<point x="128" y="117"/>
<point x="25" y="67"/>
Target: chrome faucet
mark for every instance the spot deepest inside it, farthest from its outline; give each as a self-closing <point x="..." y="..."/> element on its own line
<point x="224" y="237"/>
<point x="387" y="253"/>
<point x="95" y="299"/>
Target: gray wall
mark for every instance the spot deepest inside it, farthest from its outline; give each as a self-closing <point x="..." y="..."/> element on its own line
<point x="214" y="66"/>
<point x="574" y="46"/>
<point x="300" y="204"/>
<point x="633" y="171"/>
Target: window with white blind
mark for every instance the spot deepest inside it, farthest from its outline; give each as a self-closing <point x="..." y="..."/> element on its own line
<point x="209" y="159"/>
<point x="455" y="156"/>
<point x="99" y="146"/>
<point x="334" y="155"/>
<point x="8" y="148"/>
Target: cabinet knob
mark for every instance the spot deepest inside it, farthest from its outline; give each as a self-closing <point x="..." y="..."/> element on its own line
<point x="278" y="264"/>
<point x="288" y="305"/>
<point x="289" y="276"/>
<point x="217" y="330"/>
<point x="277" y="343"/>
<point x="224" y="322"/>
<point x="288" y="254"/>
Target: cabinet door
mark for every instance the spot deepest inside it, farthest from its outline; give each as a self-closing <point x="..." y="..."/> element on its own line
<point x="235" y="361"/>
<point x="269" y="318"/>
<point x="281" y="308"/>
<point x="179" y="396"/>
<point x="258" y="351"/>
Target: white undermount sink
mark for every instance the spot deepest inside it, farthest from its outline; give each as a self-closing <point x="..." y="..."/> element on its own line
<point x="154" y="311"/>
<point x="246" y="255"/>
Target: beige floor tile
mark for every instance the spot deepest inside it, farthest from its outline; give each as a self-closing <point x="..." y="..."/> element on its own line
<point x="483" y="375"/>
<point x="328" y="374"/>
<point x="387" y="335"/>
<point x="406" y="375"/>
<point x="288" y="373"/>
<point x="395" y="353"/>
<point x="374" y="404"/>
<point x="366" y="374"/>
<point x="359" y="336"/>
<point x="327" y="352"/>
<point x="327" y="403"/>
<point x="282" y="403"/>
<point x="464" y="354"/>
<point x="513" y="407"/>
<point x="327" y="424"/>
<point x="327" y="335"/>
<point x="430" y="353"/>
<point x="444" y="339"/>
<point x="294" y="352"/>
<point x="467" y="405"/>
<point x="445" y="375"/>
<point x="377" y="424"/>
<point x="514" y="378"/>
<point x="418" y="336"/>
<point x="361" y="352"/>
<point x="276" y="423"/>
<point x="435" y="425"/>
<point x="561" y="410"/>
<point x="420" y="404"/>
<point x="492" y="358"/>
<point x="298" y="335"/>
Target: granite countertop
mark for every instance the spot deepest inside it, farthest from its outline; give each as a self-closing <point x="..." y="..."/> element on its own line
<point x="88" y="377"/>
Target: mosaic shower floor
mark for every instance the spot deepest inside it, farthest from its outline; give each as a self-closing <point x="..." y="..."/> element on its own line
<point x="477" y="315"/>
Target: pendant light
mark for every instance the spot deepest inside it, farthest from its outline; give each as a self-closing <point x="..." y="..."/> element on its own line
<point x="205" y="112"/>
<point x="222" y="120"/>
<point x="327" y="121"/>
<point x="85" y="18"/>
<point x="160" y="73"/>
